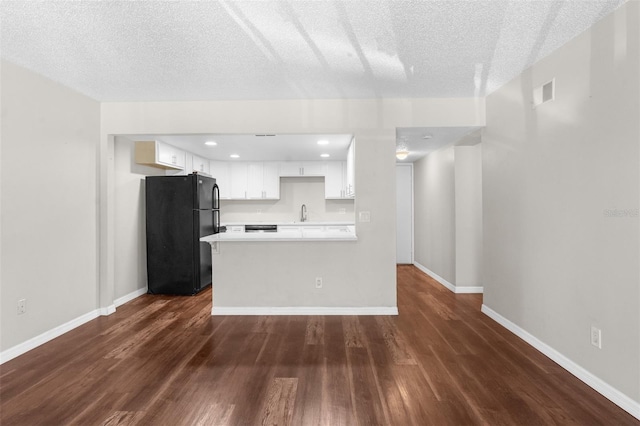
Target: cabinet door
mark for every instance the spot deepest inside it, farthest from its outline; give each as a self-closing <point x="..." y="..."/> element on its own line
<point x="220" y="171"/>
<point x="238" y="177"/>
<point x="200" y="165"/>
<point x="290" y="168"/>
<point x="170" y="155"/>
<point x="313" y="168"/>
<point x="254" y="180"/>
<point x="334" y="180"/>
<point x="271" y="180"/>
<point x="351" y="176"/>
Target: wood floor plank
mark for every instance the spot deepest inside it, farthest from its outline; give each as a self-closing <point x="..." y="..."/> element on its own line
<point x="163" y="360"/>
<point x="280" y="400"/>
<point x="315" y="331"/>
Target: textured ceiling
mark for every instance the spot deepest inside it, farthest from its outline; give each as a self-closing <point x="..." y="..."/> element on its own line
<point x="218" y="50"/>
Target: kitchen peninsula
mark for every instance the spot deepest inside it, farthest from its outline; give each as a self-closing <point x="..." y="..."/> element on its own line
<point x="289" y="270"/>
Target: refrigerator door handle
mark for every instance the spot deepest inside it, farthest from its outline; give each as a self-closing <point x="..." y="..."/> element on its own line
<point x="215" y="196"/>
<point x="215" y="211"/>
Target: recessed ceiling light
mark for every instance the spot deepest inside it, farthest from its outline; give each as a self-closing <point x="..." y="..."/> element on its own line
<point x="234" y="156"/>
<point x="323" y="142"/>
<point x="325" y="155"/>
<point x="211" y="143"/>
<point x="427" y="136"/>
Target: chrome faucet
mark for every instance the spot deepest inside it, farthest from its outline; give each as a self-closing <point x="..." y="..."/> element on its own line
<point x="303" y="213"/>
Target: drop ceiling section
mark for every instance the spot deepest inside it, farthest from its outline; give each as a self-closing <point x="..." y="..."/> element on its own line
<point x="264" y="147"/>
<point x="223" y="50"/>
<point x="421" y="141"/>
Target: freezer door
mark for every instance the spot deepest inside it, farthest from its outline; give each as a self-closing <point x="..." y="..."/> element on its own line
<point x="203" y="192"/>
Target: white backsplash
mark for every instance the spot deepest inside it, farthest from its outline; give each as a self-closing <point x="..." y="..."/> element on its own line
<point x="294" y="192"/>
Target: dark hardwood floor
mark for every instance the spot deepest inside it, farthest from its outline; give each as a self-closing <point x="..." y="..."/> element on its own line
<point x="166" y="361"/>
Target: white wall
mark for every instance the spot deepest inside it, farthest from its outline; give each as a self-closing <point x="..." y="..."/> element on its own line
<point x="371" y="260"/>
<point x="448" y="216"/>
<point x="294" y="191"/>
<point x="556" y="260"/>
<point x="435" y="213"/>
<point x="130" y="270"/>
<point x="468" y="221"/>
<point x="48" y="187"/>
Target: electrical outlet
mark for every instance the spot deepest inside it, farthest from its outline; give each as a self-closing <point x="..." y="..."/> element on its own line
<point x="365" y="216"/>
<point x="596" y="337"/>
<point x="342" y="211"/>
<point x="318" y="282"/>
<point x="22" y="306"/>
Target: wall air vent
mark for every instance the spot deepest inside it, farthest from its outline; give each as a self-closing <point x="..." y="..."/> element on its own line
<point x="544" y="93"/>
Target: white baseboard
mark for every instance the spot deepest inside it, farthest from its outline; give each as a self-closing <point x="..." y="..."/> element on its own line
<point x="34" y="342"/>
<point x="620" y="399"/>
<point x="454" y="288"/>
<point x="107" y="310"/>
<point x="129" y="297"/>
<point x="461" y="289"/>
<point x="303" y="310"/>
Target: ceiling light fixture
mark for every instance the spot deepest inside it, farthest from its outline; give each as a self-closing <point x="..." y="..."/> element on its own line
<point x="323" y="142"/>
<point x="427" y="136"/>
<point x="211" y="143"/>
<point x="401" y="154"/>
<point x="234" y="156"/>
<point x="402" y="151"/>
<point x="325" y="155"/>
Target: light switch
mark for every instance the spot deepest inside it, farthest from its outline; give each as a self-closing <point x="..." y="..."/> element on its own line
<point x="365" y="216"/>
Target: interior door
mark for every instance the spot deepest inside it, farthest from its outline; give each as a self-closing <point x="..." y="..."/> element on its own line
<point x="404" y="213"/>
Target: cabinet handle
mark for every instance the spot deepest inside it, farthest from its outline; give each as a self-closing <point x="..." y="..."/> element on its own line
<point x="301" y="171"/>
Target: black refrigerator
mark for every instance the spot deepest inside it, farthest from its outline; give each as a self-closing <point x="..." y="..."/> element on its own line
<point x="180" y="210"/>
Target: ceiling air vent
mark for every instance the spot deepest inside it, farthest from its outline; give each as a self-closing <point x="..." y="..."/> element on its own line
<point x="544" y="93"/>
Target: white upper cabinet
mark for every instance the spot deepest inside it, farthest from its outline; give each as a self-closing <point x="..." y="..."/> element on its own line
<point x="304" y="168"/>
<point x="263" y="180"/>
<point x="350" y="172"/>
<point x="200" y="165"/>
<point x="159" y="154"/>
<point x="220" y="171"/>
<point x="335" y="181"/>
<point x="271" y="182"/>
<point x="238" y="176"/>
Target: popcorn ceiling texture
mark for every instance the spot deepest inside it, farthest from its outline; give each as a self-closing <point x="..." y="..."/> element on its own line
<point x="218" y="50"/>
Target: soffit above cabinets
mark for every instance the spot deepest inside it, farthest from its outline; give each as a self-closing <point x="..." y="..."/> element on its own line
<point x="235" y="50"/>
<point x="261" y="147"/>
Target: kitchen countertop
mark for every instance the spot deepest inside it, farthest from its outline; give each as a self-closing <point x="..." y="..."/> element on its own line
<point x="288" y="235"/>
<point x="291" y="223"/>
